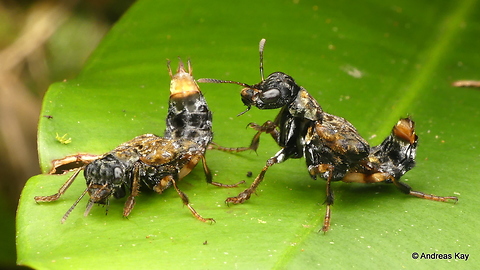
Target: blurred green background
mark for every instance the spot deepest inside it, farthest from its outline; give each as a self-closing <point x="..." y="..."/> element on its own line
<point x="40" y="42"/>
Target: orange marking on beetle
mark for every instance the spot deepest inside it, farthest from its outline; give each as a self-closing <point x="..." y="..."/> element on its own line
<point x="405" y="130"/>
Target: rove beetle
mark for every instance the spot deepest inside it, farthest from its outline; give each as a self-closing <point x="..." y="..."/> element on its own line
<point x="331" y="145"/>
<point x="149" y="160"/>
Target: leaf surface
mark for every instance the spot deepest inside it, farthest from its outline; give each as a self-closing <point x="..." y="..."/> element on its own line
<point x="370" y="62"/>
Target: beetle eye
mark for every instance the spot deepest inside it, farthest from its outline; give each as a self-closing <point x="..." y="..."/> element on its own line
<point x="270" y="95"/>
<point x="117" y="173"/>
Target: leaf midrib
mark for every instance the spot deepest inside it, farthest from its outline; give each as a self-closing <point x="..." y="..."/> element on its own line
<point x="430" y="61"/>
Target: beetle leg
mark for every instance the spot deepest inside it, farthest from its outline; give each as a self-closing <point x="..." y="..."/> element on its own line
<point x="408" y="190"/>
<point x="267" y="127"/>
<point x="320" y="169"/>
<point x="215" y="146"/>
<point x="208" y="176"/>
<point x="62" y="189"/>
<point x="69" y="163"/>
<point x="130" y="203"/>
<point x="245" y="195"/>
<point x="186" y="202"/>
<point x="206" y="170"/>
<point x="328" y="202"/>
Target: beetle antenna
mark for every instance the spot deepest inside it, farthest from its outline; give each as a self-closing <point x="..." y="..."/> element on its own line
<point x="260" y="49"/>
<point x="248" y="109"/>
<point x="73" y="206"/>
<point x="208" y="80"/>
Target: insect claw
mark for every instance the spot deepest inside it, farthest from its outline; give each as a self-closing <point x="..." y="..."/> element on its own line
<point x="241" y="198"/>
<point x="233" y="200"/>
<point x="212" y="221"/>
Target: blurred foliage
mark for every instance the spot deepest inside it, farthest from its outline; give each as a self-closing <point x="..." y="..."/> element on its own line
<point x="40" y="42"/>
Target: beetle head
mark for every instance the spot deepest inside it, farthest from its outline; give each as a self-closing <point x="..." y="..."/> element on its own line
<point x="278" y="90"/>
<point x="105" y="177"/>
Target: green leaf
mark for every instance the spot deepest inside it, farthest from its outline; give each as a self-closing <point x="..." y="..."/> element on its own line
<point x="371" y="62"/>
